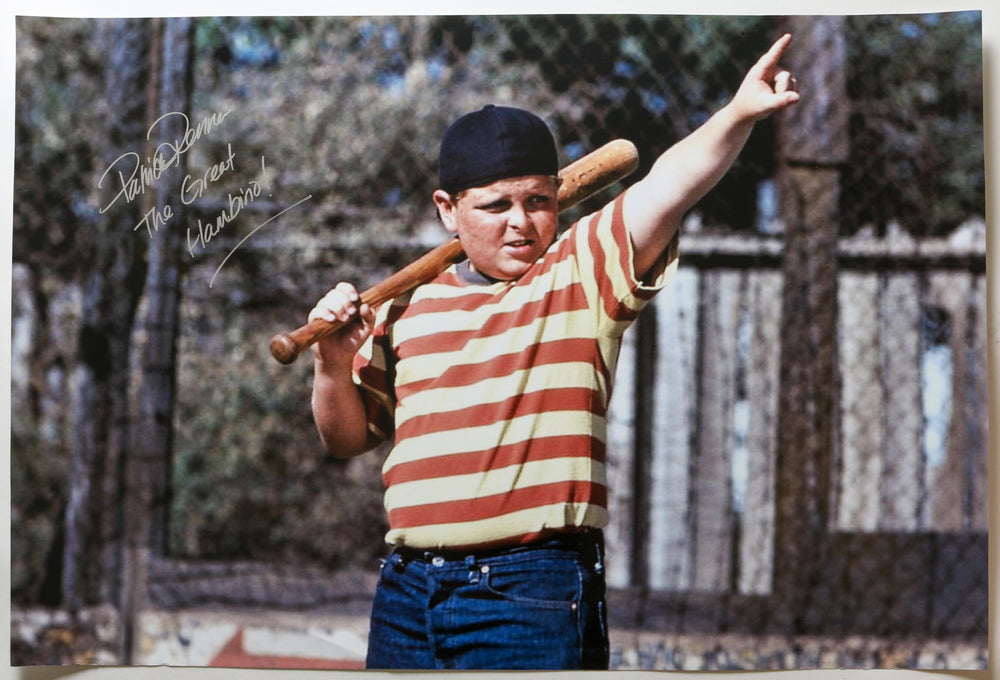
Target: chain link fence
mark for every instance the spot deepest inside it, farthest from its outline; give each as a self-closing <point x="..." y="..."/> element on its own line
<point x="348" y="111"/>
<point x="694" y="433"/>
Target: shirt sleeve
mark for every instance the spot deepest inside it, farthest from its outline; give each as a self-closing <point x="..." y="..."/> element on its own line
<point x="374" y="374"/>
<point x="606" y="258"/>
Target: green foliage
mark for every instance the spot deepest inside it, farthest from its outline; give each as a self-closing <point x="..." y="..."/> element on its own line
<point x="353" y="113"/>
<point x="371" y="96"/>
<point x="251" y="480"/>
<point x="54" y="142"/>
<point x="650" y="79"/>
<point x="915" y="84"/>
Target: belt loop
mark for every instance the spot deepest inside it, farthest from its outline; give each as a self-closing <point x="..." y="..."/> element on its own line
<point x="473" y="572"/>
<point x="597" y="541"/>
<point x="403" y="556"/>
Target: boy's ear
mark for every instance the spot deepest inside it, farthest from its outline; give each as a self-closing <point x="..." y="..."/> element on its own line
<point x="446" y="209"/>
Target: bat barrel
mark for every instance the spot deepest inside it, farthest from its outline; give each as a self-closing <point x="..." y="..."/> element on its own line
<point x="597" y="170"/>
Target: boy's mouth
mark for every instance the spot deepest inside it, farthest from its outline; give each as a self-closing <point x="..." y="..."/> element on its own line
<point x="521" y="248"/>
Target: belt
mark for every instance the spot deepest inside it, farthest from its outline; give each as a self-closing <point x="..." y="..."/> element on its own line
<point x="584" y="538"/>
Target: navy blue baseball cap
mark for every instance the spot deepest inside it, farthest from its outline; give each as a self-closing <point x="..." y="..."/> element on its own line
<point x="495" y="142"/>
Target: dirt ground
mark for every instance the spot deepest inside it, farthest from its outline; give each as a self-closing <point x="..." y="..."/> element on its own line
<point x="271" y="639"/>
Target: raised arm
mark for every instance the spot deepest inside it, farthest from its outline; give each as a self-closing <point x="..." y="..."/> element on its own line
<point x="684" y="173"/>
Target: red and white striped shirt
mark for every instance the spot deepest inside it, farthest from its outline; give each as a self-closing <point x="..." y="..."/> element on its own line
<point x="496" y="393"/>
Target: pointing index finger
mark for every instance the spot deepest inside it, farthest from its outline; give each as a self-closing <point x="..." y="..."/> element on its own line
<point x="771" y="57"/>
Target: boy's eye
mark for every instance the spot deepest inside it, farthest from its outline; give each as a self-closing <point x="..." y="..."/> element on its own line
<point x="536" y="202"/>
<point x="496" y="206"/>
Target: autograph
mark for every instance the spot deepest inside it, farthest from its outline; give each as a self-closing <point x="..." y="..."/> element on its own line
<point x="243" y="197"/>
<point x="129" y="176"/>
<point x="254" y="231"/>
<point x="236" y="203"/>
<point x="193" y="189"/>
<point x="167" y="154"/>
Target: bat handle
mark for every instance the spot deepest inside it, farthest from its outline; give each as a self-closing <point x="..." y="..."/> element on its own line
<point x="286" y="347"/>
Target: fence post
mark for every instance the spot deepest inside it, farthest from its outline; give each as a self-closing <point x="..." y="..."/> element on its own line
<point x="813" y="141"/>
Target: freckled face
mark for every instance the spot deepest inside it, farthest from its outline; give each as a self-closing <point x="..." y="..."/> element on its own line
<point x="505" y="226"/>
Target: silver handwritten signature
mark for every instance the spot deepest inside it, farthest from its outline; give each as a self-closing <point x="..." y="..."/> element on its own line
<point x="134" y="176"/>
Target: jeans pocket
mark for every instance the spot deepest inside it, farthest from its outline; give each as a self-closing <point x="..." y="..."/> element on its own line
<point x="548" y="583"/>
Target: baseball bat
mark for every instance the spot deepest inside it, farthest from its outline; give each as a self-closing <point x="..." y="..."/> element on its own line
<point x="582" y="178"/>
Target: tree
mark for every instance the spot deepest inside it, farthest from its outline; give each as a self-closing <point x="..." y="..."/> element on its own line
<point x="916" y="155"/>
<point x="111" y="289"/>
<point x="813" y="138"/>
<point x="52" y="223"/>
<point x="147" y="469"/>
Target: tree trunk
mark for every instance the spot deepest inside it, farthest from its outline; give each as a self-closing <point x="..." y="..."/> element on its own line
<point x="99" y="387"/>
<point x="813" y="138"/>
<point x="148" y="468"/>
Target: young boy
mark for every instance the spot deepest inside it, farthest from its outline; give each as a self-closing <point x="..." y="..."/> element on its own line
<point x="493" y="381"/>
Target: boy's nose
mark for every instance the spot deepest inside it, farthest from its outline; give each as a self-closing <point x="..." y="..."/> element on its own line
<point x="517" y="217"/>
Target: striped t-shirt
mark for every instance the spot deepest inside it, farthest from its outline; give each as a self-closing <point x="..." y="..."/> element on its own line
<point x="496" y="393"/>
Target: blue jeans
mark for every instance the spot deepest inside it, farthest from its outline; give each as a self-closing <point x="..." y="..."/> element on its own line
<point x="538" y="607"/>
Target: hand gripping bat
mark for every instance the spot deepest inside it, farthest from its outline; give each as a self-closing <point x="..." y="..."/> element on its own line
<point x="582" y="178"/>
